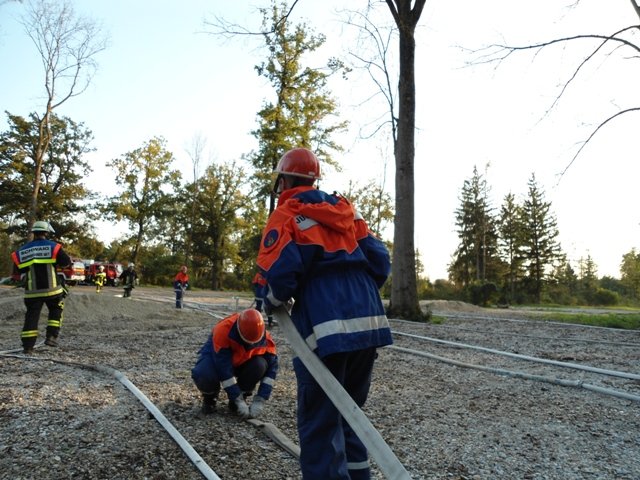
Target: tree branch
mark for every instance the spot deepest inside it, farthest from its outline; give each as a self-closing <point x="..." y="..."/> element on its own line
<point x="593" y="134"/>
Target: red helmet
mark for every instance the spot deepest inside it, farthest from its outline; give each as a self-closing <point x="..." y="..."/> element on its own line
<point x="299" y="162"/>
<point x="251" y="325"/>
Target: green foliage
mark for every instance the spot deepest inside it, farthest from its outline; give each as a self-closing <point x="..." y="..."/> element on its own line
<point x="63" y="198"/>
<point x="148" y="184"/>
<point x="300" y="112"/>
<point x="539" y="240"/>
<point x="483" y="294"/>
<point x="627" y="321"/>
<point x="374" y="204"/>
<point x="476" y="258"/>
<point x="630" y="273"/>
<point x="6" y="247"/>
<point x="605" y="297"/>
<point x="510" y="245"/>
<point x="157" y="266"/>
<point x="219" y="220"/>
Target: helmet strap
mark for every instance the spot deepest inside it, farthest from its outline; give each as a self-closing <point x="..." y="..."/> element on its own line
<point x="276" y="185"/>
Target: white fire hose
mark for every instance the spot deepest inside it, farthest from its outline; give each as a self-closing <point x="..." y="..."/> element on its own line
<point x="370" y="437"/>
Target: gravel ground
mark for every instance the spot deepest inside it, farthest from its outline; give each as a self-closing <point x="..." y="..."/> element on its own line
<point x="60" y="418"/>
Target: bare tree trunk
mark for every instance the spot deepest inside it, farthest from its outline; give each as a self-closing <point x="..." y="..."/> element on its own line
<point x="67" y="45"/>
<point x="404" y="290"/>
<point x="44" y="136"/>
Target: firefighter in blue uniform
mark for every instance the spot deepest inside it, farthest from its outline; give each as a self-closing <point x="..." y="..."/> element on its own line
<point x="318" y="251"/>
<point x="37" y="261"/>
<point x="238" y="355"/>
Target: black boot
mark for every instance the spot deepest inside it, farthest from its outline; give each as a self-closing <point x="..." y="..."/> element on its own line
<point x="208" y="404"/>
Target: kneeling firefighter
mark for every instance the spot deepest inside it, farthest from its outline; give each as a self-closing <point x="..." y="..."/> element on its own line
<point x="238" y="355"/>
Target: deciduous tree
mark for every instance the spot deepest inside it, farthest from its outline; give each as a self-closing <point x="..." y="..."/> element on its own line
<point x="219" y="213"/>
<point x="67" y="45"/>
<point x="630" y="273"/>
<point x="64" y="199"/>
<point x="148" y="185"/>
<point x="373" y="203"/>
<point x="302" y="112"/>
<point x="404" y="293"/>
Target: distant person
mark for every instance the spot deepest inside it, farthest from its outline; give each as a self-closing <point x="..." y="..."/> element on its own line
<point x="100" y="279"/>
<point x="37" y="261"/>
<point x="259" y="284"/>
<point x="128" y="278"/>
<point x="238" y="355"/>
<point x="318" y="251"/>
<point x="180" y="284"/>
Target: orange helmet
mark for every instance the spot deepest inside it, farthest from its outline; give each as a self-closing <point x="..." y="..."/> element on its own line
<point x="251" y="325"/>
<point x="299" y="162"/>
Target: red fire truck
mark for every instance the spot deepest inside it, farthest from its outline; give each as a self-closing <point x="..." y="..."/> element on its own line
<point x="113" y="271"/>
<point x="73" y="274"/>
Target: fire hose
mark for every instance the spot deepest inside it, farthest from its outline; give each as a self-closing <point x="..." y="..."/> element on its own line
<point x="350" y="411"/>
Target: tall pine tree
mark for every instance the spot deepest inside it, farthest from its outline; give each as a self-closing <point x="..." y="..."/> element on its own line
<point x="475" y="259"/>
<point x="539" y="242"/>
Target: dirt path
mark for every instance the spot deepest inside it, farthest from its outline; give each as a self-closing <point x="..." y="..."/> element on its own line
<point x="59" y="420"/>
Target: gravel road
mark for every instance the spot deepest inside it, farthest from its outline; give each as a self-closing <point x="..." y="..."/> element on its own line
<point x="60" y="418"/>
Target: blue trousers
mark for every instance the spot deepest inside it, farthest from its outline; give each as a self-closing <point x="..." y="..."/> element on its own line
<point x="247" y="375"/>
<point x="329" y="448"/>
<point x="179" y="296"/>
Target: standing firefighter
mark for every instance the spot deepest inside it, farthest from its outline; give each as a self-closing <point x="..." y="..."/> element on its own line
<point x="259" y="288"/>
<point x="180" y="284"/>
<point x="128" y="278"/>
<point x="100" y="279"/>
<point x="37" y="261"/>
<point x="238" y="354"/>
<point x="317" y="250"/>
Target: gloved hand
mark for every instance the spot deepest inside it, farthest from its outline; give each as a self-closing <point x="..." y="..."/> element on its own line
<point x="243" y="408"/>
<point x="256" y="406"/>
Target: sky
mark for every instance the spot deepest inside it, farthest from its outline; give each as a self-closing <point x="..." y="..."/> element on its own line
<point x="164" y="74"/>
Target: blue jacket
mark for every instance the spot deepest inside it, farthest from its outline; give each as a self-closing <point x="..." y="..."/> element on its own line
<point x="318" y="251"/>
<point x="229" y="351"/>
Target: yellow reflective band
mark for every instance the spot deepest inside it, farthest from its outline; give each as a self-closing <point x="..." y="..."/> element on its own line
<point x="29" y="334"/>
<point x="36" y="260"/>
<point x="54" y="323"/>
<point x="41" y="293"/>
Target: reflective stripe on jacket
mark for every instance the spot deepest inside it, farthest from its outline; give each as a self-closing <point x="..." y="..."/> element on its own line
<point x="229" y="351"/>
<point x="38" y="259"/>
<point x="318" y="251"/>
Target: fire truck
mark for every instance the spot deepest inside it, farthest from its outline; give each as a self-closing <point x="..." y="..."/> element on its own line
<point x="73" y="274"/>
<point x="113" y="271"/>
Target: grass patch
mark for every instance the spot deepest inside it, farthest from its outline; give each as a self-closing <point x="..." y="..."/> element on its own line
<point x="626" y="321"/>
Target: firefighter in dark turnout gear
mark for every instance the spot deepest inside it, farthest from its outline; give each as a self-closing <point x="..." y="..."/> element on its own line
<point x="37" y="261"/>
<point x="128" y="278"/>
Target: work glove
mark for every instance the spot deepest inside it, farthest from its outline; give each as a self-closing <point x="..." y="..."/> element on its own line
<point x="256" y="406"/>
<point x="243" y="408"/>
